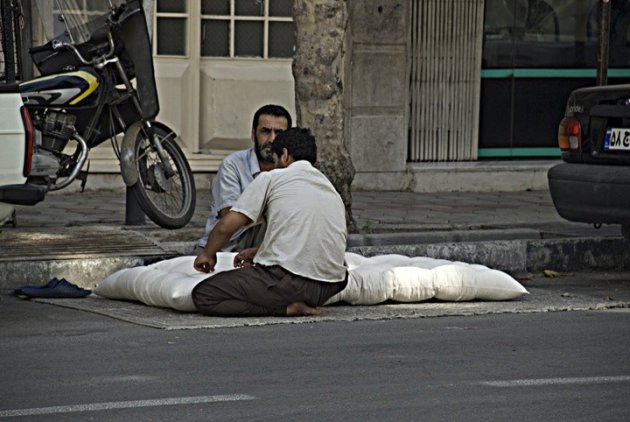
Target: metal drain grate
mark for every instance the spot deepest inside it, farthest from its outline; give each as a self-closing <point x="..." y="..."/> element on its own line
<point x="78" y="242"/>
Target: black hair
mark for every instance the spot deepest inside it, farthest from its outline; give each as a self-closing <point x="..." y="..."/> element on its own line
<point x="299" y="142"/>
<point x="274" y="110"/>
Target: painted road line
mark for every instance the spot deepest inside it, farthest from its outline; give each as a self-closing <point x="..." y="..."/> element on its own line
<point x="556" y="381"/>
<point x="90" y="407"/>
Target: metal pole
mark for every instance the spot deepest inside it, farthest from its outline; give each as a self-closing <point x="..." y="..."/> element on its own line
<point x="134" y="216"/>
<point x="604" y="36"/>
<point x="8" y="39"/>
<point x="26" y="41"/>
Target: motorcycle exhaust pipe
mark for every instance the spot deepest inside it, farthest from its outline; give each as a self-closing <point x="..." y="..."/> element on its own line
<point x="75" y="171"/>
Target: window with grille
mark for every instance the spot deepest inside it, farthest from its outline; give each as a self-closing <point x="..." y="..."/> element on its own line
<point x="171" y="27"/>
<point x="228" y="28"/>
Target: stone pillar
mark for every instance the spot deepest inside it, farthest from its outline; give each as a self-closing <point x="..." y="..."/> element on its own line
<point x="318" y="73"/>
<point x="376" y="95"/>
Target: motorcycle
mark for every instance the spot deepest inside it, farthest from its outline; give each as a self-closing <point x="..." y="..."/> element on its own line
<point x="97" y="84"/>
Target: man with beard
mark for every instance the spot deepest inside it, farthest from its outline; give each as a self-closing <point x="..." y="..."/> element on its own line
<point x="239" y="169"/>
<point x="300" y="263"/>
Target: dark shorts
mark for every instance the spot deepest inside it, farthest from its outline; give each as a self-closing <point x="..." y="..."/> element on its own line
<point x="260" y="291"/>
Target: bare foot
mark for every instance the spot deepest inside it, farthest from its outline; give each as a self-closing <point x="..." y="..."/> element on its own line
<point x="301" y="309"/>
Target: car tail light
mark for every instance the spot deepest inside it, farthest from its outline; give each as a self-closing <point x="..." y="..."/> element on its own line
<point x="28" y="141"/>
<point x="570" y="134"/>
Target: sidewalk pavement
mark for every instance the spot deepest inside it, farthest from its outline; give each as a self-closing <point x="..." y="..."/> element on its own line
<point x="374" y="212"/>
<point x="84" y="236"/>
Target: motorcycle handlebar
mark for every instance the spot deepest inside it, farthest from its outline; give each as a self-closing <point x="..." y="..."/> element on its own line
<point x="102" y="33"/>
<point x="117" y="13"/>
<point x="57" y="44"/>
<point x="38" y="48"/>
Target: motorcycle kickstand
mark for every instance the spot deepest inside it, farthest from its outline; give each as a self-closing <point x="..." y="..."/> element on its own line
<point x="83" y="175"/>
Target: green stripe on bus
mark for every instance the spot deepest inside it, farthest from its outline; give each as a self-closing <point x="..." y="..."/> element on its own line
<point x="518" y="152"/>
<point x="551" y="73"/>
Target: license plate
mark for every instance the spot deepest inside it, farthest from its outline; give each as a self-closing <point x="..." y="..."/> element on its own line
<point x="617" y="140"/>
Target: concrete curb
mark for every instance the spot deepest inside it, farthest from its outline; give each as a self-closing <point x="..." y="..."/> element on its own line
<point x="518" y="256"/>
<point x="522" y="255"/>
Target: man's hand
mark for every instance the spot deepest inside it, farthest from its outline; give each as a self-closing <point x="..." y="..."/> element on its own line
<point x="219" y="237"/>
<point x="245" y="258"/>
<point x="205" y="262"/>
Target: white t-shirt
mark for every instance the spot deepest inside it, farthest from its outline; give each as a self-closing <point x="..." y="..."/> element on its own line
<point x="306" y="221"/>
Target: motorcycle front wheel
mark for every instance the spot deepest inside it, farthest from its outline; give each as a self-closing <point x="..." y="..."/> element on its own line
<point x="167" y="200"/>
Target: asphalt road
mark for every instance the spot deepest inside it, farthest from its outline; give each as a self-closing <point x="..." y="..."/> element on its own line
<point x="63" y="364"/>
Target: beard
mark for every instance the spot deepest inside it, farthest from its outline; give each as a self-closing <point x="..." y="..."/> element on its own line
<point x="263" y="152"/>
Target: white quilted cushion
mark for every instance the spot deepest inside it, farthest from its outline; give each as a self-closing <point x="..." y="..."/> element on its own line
<point x="411" y="284"/>
<point x="497" y="285"/>
<point x="454" y="283"/>
<point x="371" y="280"/>
<point x="166" y="284"/>
<point x="353" y="260"/>
<point x="367" y="285"/>
<point x="403" y="279"/>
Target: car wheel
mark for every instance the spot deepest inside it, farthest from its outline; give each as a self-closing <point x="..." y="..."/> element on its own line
<point x="625" y="231"/>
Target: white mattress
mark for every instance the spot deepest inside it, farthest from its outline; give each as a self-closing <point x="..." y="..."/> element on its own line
<point x="372" y="280"/>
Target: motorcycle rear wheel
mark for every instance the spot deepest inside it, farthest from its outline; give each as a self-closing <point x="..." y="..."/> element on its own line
<point x="168" y="201"/>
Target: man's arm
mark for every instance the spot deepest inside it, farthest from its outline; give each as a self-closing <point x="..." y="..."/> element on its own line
<point x="224" y="211"/>
<point x="219" y="237"/>
<point x="228" y="184"/>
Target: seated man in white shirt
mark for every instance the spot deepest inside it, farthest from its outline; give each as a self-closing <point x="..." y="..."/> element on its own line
<point x="239" y="168"/>
<point x="300" y="263"/>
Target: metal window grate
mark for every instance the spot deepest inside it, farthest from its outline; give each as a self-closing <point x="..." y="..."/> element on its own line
<point x="235" y="29"/>
<point x="254" y="28"/>
<point x="444" y="68"/>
